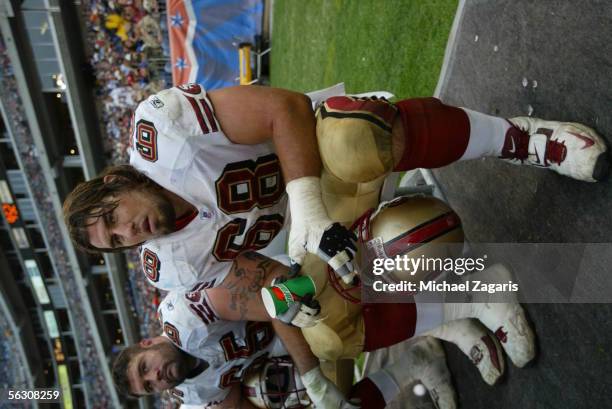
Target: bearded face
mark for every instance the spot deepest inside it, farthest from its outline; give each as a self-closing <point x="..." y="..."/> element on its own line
<point x="141" y="214"/>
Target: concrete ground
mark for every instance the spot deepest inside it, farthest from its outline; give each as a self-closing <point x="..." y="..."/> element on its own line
<point x="551" y="59"/>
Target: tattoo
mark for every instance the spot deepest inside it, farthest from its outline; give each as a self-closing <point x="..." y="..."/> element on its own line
<point x="246" y="279"/>
<point x="254" y="256"/>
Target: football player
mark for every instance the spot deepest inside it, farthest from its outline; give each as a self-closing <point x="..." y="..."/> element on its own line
<point x="205" y="184"/>
<point x="350" y="328"/>
<point x="197" y="194"/>
<point x="204" y="357"/>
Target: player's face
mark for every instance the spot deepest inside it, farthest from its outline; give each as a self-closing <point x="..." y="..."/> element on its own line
<point x="140" y="215"/>
<point x="158" y="367"/>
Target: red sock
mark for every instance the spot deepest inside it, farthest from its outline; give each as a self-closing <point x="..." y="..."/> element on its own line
<point x="436" y="134"/>
<point x="387" y="324"/>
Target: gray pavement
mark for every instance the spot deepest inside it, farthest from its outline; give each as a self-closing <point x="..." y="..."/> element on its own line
<point x="553" y="59"/>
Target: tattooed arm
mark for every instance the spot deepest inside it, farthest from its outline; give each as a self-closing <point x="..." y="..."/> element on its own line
<point x="238" y="298"/>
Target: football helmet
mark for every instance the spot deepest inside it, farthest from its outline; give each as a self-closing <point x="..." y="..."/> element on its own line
<point x="276" y="385"/>
<point x="415" y="226"/>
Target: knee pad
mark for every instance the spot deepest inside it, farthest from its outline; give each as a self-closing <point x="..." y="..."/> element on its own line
<point x="354" y="136"/>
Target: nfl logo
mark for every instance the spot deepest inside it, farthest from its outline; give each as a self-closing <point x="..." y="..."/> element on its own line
<point x="156" y="102"/>
<point x="205" y="213"/>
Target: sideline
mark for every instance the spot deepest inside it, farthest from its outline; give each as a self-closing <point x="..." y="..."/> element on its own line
<point x="451" y="45"/>
<point x="449" y="59"/>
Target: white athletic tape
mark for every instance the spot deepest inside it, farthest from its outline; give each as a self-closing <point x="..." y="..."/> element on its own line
<point x="338" y="260"/>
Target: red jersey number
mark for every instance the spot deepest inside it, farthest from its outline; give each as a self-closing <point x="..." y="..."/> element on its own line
<point x="248" y="184"/>
<point x="151" y="265"/>
<point x="199" y="306"/>
<point x="258" y="236"/>
<point x="146" y="140"/>
<point x="258" y="336"/>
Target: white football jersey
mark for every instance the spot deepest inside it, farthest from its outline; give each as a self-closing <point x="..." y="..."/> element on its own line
<point x="238" y="190"/>
<point x="229" y="347"/>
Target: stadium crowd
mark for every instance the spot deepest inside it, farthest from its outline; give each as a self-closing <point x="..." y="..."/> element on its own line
<point x="129" y="57"/>
<point x="16" y="121"/>
<point x="12" y="373"/>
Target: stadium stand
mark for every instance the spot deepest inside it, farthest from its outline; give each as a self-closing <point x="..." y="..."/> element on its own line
<point x="12" y="373"/>
<point x="13" y="107"/>
<point x="129" y="56"/>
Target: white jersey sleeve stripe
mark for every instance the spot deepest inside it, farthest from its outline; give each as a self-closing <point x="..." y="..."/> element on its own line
<point x="198" y="114"/>
<point x="214" y="125"/>
<point x="204" y="311"/>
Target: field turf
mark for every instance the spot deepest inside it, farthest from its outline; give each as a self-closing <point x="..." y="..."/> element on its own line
<point x="369" y="44"/>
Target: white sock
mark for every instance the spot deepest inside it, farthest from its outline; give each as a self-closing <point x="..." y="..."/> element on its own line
<point x="430" y="312"/>
<point x="464" y="333"/>
<point x="433" y="311"/>
<point x="487" y="135"/>
<point x="488" y="309"/>
<point x="490" y="314"/>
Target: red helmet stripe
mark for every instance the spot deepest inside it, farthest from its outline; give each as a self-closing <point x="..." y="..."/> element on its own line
<point x="422" y="234"/>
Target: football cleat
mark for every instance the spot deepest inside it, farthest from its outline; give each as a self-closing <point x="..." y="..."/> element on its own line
<point x="506" y="320"/>
<point x="570" y="149"/>
<point x="477" y="343"/>
<point x="513" y="332"/>
<point x="486" y="354"/>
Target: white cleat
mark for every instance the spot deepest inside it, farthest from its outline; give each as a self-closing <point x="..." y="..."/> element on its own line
<point x="506" y="320"/>
<point x="514" y="333"/>
<point x="477" y="343"/>
<point x="488" y="357"/>
<point x="570" y="149"/>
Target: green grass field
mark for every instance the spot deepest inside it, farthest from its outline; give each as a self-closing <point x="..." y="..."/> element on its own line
<point x="389" y="45"/>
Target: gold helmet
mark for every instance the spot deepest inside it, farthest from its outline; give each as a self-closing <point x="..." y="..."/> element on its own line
<point x="276" y="384"/>
<point x="413" y="226"/>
